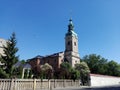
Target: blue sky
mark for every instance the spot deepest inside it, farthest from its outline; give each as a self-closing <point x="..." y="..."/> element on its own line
<point x="40" y="26"/>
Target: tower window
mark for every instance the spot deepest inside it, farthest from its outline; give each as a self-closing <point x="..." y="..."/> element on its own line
<point x="75" y="43"/>
<point x="68" y="43"/>
<point x="55" y="60"/>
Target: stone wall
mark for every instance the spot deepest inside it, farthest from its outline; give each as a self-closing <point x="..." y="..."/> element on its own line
<point x="103" y="80"/>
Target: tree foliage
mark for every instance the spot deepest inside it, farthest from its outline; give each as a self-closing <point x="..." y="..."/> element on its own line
<point x="9" y="58"/>
<point x="84" y="72"/>
<point x="47" y="71"/>
<point x="83" y="68"/>
<point x="75" y="74"/>
<point x="113" y="68"/>
<point x="18" y="69"/>
<point x="43" y="71"/>
<point x="66" y="65"/>
<point x="100" y="65"/>
<point x="3" y="74"/>
<point x="68" y="72"/>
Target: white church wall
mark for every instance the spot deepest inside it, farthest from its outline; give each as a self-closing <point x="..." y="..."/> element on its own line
<point x="103" y="80"/>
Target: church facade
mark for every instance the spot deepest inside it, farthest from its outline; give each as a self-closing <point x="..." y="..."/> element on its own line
<point x="70" y="54"/>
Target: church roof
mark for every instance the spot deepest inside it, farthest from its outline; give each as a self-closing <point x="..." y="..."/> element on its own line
<point x="27" y="66"/>
<point x="39" y="56"/>
<point x="71" y="33"/>
<point x="18" y="64"/>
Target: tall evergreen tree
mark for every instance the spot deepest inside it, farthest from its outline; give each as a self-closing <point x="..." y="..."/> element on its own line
<point x="9" y="58"/>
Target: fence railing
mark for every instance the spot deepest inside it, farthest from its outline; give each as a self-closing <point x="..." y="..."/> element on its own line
<point x="35" y="84"/>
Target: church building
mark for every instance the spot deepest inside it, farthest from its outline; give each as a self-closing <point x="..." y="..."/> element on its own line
<point x="70" y="54"/>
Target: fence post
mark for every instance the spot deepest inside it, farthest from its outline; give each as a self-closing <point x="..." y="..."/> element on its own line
<point x="41" y="83"/>
<point x="34" y="84"/>
<point x="49" y="86"/>
<point x="23" y="71"/>
<point x="54" y="83"/>
<point x="64" y="83"/>
<point x="11" y="84"/>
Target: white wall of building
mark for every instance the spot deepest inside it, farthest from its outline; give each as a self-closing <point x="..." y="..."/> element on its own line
<point x="103" y="80"/>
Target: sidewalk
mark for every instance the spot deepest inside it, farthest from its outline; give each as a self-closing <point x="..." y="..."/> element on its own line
<point x="114" y="87"/>
<point x="73" y="88"/>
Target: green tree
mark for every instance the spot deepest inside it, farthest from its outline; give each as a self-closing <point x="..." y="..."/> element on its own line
<point x="100" y="65"/>
<point x="9" y="58"/>
<point x="65" y="70"/>
<point x="75" y="74"/>
<point x="113" y="68"/>
<point x="84" y="72"/>
<point x="3" y="74"/>
<point x="68" y="72"/>
<point x="96" y="63"/>
<point x="18" y="69"/>
<point x="66" y="65"/>
<point x="46" y="71"/>
<point x="17" y="72"/>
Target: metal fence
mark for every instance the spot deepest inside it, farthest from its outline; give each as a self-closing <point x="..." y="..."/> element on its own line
<point x="35" y="84"/>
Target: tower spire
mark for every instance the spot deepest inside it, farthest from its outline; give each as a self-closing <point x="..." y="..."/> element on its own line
<point x="70" y="26"/>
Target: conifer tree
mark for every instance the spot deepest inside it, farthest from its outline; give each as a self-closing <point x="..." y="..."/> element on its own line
<point x="9" y="58"/>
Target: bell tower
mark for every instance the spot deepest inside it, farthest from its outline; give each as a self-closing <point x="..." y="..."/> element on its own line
<point x="71" y="45"/>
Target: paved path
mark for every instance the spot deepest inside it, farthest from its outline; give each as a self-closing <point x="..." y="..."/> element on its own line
<point x="90" y="88"/>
